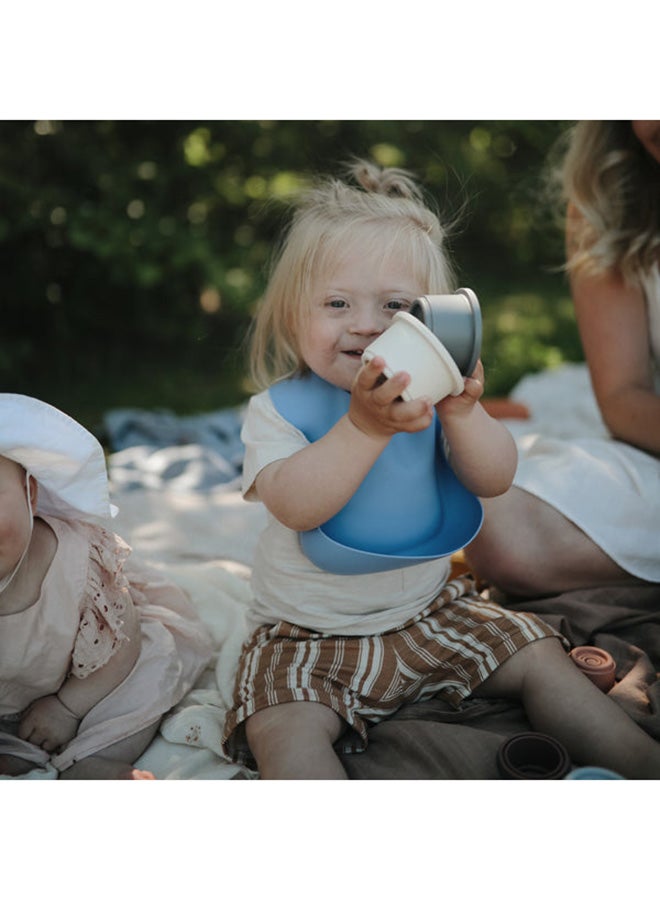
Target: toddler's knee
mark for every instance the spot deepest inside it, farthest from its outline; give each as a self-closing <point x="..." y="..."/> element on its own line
<point x="290" y="723"/>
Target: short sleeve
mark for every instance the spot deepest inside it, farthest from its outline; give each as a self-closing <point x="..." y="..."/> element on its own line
<point x="267" y="437"/>
<point x="107" y="596"/>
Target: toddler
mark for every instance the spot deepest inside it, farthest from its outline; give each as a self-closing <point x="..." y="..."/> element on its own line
<point x="94" y="648"/>
<point x="354" y="614"/>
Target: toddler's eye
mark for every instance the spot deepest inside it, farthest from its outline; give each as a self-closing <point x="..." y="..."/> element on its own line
<point x="396" y="303"/>
<point x="336" y="303"/>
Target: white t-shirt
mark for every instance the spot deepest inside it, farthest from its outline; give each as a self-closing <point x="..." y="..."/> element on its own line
<point x="287" y="586"/>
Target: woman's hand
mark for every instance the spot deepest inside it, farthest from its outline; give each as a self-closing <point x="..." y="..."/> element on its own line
<point x="48" y="724"/>
<point x="377" y="408"/>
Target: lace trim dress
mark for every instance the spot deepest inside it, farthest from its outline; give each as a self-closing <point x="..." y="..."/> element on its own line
<point x="75" y="627"/>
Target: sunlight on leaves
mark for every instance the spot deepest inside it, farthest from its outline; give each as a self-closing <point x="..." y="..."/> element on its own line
<point x="196" y="148"/>
<point x="480" y="139"/>
<point x="286" y="184"/>
<point x="210" y="300"/>
<point x="387" y="155"/>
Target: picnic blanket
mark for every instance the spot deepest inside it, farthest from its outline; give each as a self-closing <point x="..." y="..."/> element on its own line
<point x="176" y="481"/>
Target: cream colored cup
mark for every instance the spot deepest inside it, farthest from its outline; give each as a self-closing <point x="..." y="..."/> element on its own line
<point x="409" y="346"/>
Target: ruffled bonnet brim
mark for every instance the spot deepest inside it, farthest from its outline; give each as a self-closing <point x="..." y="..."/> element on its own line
<point x="66" y="460"/>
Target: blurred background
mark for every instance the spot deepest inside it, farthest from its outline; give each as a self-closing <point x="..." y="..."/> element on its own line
<point x="132" y="253"/>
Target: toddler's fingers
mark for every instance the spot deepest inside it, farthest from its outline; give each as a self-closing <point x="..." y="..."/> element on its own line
<point x="370" y="372"/>
<point x="392" y="388"/>
<point x="414" y="414"/>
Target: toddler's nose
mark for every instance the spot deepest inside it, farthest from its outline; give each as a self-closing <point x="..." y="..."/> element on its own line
<point x="368" y="323"/>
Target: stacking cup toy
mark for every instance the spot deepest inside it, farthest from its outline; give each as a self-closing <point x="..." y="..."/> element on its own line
<point x="596" y="664"/>
<point x="532" y="755"/>
<point x="409" y="346"/>
<point x="593" y="773"/>
<point x="455" y="319"/>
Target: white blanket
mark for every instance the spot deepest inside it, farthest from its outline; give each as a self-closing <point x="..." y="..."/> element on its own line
<point x="204" y="539"/>
<point x="204" y="542"/>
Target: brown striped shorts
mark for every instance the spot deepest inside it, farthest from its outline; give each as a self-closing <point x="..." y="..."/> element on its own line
<point x="447" y="650"/>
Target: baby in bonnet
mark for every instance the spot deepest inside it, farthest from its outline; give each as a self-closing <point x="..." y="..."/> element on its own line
<point x="94" y="647"/>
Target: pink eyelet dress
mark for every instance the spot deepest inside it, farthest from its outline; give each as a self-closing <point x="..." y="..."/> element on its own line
<point x="74" y="628"/>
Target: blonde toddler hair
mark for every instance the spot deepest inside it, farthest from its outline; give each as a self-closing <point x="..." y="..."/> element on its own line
<point x="385" y="210"/>
<point x="609" y="178"/>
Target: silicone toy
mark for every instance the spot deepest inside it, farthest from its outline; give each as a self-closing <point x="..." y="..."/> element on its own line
<point x="455" y="319"/>
<point x="593" y="773"/>
<point x="400" y="515"/>
<point x="409" y="346"/>
<point x="532" y="755"/>
<point x="598" y="665"/>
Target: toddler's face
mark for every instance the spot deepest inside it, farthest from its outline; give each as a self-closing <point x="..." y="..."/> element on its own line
<point x="350" y="307"/>
<point x="14" y="515"/>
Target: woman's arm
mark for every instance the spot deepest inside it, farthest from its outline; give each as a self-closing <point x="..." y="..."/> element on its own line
<point x="613" y="322"/>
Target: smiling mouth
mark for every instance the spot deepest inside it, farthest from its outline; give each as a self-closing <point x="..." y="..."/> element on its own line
<point x="356" y="353"/>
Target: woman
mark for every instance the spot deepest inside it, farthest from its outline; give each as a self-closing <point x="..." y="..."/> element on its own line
<point x="586" y="512"/>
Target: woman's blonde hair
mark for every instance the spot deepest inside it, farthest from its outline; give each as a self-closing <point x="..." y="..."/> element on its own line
<point x="609" y="178"/>
<point x="383" y="210"/>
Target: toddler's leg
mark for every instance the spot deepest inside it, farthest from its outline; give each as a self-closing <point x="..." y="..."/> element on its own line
<point x="294" y="740"/>
<point x="116" y="761"/>
<point x="559" y="700"/>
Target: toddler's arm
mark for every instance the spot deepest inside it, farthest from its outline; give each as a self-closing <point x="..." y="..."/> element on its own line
<point x="52" y="721"/>
<point x="306" y="489"/>
<point x="482" y="450"/>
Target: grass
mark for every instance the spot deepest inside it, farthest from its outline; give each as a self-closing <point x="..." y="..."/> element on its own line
<point x="525" y="329"/>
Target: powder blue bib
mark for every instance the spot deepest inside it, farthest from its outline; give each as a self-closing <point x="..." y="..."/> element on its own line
<point x="409" y="509"/>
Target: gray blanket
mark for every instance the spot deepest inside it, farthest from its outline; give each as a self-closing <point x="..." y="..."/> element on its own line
<point x="430" y="740"/>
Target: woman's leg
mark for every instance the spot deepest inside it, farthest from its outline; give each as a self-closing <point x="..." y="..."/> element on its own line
<point x="525" y="547"/>
<point x="294" y="740"/>
<point x="116" y="761"/>
<point x="560" y="701"/>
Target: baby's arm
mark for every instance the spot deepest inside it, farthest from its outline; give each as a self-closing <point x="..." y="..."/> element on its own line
<point x="52" y="721"/>
<point x="482" y="450"/>
<point x="306" y="489"/>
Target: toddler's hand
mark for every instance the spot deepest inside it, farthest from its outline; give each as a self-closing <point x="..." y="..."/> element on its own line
<point x="463" y="403"/>
<point x="376" y="405"/>
<point x="48" y="724"/>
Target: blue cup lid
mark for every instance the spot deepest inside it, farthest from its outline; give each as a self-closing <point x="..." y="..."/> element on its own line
<point x="593" y="773"/>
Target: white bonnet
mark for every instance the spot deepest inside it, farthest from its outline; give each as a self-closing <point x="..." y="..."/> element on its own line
<point x="66" y="460"/>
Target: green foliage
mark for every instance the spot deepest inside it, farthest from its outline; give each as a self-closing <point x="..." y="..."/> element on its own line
<point x="132" y="253"/>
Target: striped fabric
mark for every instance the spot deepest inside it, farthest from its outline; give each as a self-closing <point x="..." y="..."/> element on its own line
<point x="448" y="650"/>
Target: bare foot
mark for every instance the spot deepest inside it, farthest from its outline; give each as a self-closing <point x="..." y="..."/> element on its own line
<point x="141" y="775"/>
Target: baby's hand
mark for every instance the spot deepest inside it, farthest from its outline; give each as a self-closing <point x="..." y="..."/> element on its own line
<point x="48" y="724"/>
<point x="376" y="405"/>
<point x="463" y="403"/>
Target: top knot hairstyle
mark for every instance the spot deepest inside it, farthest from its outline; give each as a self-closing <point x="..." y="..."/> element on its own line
<point x="391" y="182"/>
<point x="381" y="208"/>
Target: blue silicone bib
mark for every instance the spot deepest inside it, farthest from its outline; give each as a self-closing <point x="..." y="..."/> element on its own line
<point x="410" y="508"/>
